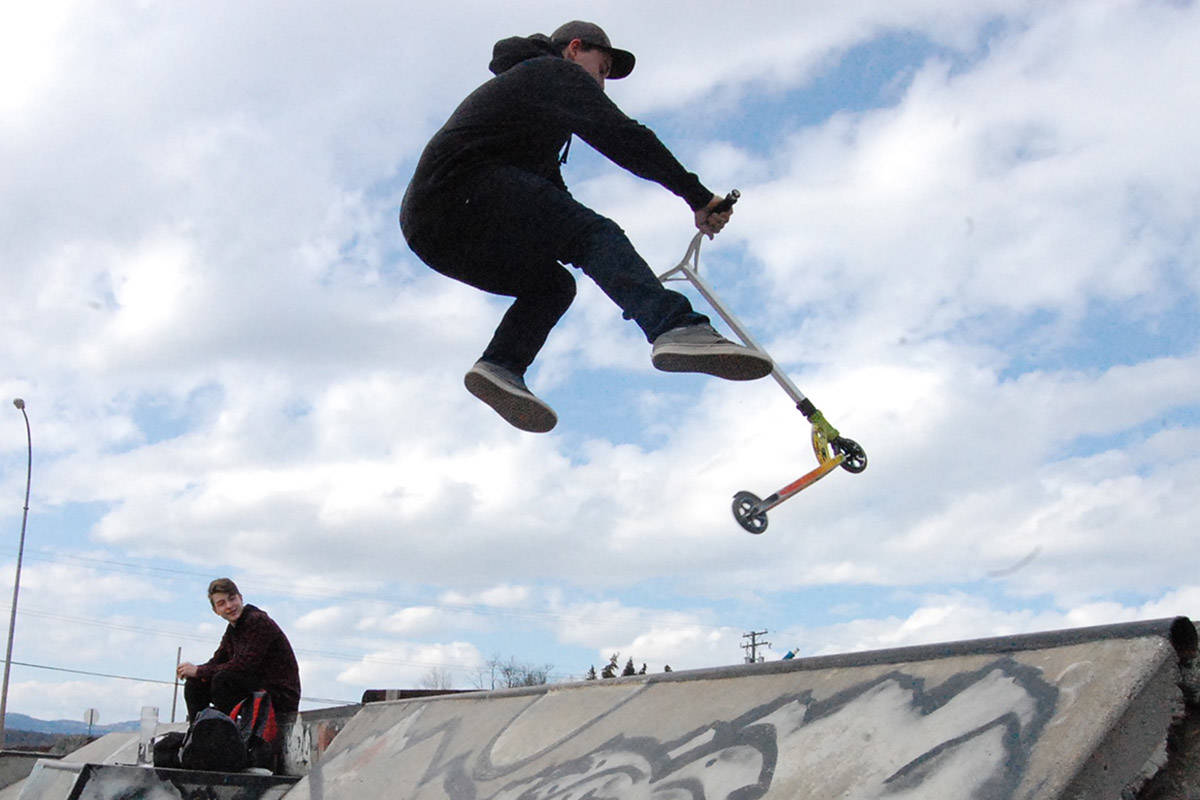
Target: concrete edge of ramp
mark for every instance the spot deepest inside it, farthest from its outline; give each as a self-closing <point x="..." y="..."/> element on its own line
<point x="1070" y="713"/>
<point x="81" y="781"/>
<point x="1180" y="632"/>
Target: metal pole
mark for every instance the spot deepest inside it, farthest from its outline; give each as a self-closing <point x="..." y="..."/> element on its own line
<point x="691" y="273"/>
<point x="175" y="691"/>
<point x="12" y="619"/>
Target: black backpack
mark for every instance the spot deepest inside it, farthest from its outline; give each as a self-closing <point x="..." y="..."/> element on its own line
<point x="213" y="742"/>
<point x="166" y="749"/>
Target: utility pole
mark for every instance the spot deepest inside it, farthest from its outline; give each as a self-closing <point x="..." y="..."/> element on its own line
<point x="752" y="647"/>
<point x="12" y="620"/>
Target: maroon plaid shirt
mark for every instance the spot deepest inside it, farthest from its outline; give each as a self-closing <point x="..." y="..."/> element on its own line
<point x="256" y="646"/>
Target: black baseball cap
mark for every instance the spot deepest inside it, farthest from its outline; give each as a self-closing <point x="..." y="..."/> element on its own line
<point x="593" y="34"/>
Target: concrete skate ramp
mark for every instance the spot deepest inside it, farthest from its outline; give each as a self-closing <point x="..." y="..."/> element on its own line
<point x="1070" y="714"/>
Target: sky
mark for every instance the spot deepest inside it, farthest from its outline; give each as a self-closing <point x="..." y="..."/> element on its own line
<point x="968" y="232"/>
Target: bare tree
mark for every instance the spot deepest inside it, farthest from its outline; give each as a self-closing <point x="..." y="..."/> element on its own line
<point x="497" y="674"/>
<point x="437" y="678"/>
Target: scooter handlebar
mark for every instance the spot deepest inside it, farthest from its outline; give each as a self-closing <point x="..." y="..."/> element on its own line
<point x="727" y="203"/>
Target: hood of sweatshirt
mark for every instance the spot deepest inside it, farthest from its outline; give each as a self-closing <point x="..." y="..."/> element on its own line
<point x="507" y="53"/>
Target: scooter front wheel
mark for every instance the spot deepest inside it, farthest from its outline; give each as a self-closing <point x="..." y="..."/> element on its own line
<point x="745" y="511"/>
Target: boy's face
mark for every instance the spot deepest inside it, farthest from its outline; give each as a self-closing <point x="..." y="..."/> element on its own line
<point x="597" y="62"/>
<point x="227" y="606"/>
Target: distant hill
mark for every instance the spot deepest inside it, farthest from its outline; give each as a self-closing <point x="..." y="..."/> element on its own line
<point x="21" y="722"/>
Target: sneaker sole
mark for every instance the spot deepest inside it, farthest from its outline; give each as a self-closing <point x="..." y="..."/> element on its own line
<point x="523" y="412"/>
<point x="732" y="365"/>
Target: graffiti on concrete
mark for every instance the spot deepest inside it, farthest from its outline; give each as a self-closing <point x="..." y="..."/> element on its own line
<point x="891" y="737"/>
<point x="304" y="741"/>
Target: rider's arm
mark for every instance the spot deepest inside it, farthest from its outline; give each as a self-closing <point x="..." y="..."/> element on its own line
<point x="581" y="105"/>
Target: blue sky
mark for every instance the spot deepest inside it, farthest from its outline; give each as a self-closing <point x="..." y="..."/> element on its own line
<point x="967" y="232"/>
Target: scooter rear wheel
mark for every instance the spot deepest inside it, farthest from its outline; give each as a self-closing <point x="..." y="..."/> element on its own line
<point x="856" y="457"/>
<point x="745" y="511"/>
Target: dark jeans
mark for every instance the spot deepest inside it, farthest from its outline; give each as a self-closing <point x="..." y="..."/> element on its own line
<point x="226" y="689"/>
<point x="507" y="233"/>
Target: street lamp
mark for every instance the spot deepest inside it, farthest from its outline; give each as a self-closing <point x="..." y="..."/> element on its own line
<point x="12" y="619"/>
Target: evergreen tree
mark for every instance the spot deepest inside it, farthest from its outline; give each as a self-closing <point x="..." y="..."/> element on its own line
<point x="629" y="669"/>
<point x="591" y="674"/>
<point x="610" y="669"/>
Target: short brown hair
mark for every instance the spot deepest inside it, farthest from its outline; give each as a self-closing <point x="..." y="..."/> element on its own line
<point x="222" y="586"/>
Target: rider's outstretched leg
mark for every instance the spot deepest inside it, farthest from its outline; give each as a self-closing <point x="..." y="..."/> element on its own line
<point x="683" y="339"/>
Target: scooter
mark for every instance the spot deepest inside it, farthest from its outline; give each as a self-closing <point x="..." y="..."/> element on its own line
<point x="830" y="447"/>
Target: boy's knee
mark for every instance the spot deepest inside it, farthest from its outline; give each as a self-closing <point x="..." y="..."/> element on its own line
<point x="562" y="284"/>
<point x="223" y="679"/>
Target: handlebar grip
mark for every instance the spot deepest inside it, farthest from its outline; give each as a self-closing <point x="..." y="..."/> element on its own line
<point x="727" y="203"/>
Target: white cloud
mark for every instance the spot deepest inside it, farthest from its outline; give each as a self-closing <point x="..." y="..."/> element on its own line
<point x="501" y="596"/>
<point x="960" y="617"/>
<point x="404" y="666"/>
<point x="677" y="648"/>
<point x="329" y="618"/>
<point x="233" y="363"/>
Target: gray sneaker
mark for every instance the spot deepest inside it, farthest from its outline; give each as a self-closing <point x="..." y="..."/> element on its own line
<point x="699" y="348"/>
<point x="505" y="391"/>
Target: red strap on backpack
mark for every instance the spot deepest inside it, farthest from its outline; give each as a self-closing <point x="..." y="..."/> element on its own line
<point x="256" y="720"/>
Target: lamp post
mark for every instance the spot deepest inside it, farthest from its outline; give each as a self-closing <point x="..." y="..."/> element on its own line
<point x="12" y="619"/>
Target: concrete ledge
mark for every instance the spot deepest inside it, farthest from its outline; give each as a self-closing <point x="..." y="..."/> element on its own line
<point x="1066" y="714"/>
<point x="15" y="765"/>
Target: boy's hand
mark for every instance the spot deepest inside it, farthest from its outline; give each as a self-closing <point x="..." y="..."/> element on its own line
<point x="709" y="223"/>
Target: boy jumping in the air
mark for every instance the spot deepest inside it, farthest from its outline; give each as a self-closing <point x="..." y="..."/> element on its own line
<point x="487" y="206"/>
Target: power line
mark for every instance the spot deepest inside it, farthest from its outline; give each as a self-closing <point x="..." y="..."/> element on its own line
<point x="99" y="623"/>
<point x="289" y="589"/>
<point x="92" y="674"/>
<point x="316" y="654"/>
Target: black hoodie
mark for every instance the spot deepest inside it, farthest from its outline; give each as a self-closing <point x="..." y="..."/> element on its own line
<point x="523" y="118"/>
